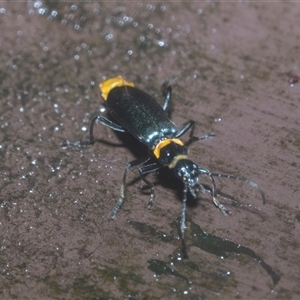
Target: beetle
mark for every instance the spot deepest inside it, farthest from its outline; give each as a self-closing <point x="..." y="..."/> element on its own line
<point x="137" y="113"/>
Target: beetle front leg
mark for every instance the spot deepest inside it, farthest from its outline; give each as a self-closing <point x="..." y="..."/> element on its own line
<point x="121" y="200"/>
<point x="145" y="170"/>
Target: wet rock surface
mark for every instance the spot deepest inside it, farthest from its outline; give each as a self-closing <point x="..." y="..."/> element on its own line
<point x="234" y="67"/>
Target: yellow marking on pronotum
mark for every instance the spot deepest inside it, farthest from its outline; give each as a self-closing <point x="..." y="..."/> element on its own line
<point x="176" y="160"/>
<point x="164" y="143"/>
<point x="107" y="85"/>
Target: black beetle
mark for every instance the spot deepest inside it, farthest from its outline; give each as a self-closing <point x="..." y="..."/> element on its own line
<point x="137" y="113"/>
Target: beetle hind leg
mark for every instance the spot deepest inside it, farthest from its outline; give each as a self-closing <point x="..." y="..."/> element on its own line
<point x="167" y="93"/>
<point x="167" y="101"/>
<point x="91" y="140"/>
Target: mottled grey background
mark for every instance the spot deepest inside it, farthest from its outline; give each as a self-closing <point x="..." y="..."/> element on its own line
<point x="231" y="62"/>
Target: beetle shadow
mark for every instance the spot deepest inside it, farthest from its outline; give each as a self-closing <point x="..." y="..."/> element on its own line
<point x="164" y="177"/>
<point x="128" y="141"/>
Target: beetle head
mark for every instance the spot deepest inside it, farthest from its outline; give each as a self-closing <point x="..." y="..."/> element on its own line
<point x="188" y="172"/>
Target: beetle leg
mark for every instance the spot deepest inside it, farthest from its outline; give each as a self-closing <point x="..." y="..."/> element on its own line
<point x="243" y="179"/>
<point x="120" y="201"/>
<point x="91" y="141"/>
<point x="183" y="211"/>
<point x="105" y="122"/>
<point x="145" y="170"/>
<point x="167" y="94"/>
<point x="193" y="138"/>
<point x="182" y="221"/>
<point x="185" y="128"/>
<point x="217" y="203"/>
<point x="191" y="126"/>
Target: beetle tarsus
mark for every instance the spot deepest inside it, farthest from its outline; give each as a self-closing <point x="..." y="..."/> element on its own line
<point x="116" y="209"/>
<point x="151" y="201"/>
<point x="76" y="144"/>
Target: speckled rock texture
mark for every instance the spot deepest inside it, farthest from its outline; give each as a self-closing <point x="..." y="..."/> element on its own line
<point x="234" y="68"/>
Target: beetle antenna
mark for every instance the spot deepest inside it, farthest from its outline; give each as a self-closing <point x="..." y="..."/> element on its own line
<point x="203" y="171"/>
<point x="217" y="203"/>
<point x="243" y="179"/>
